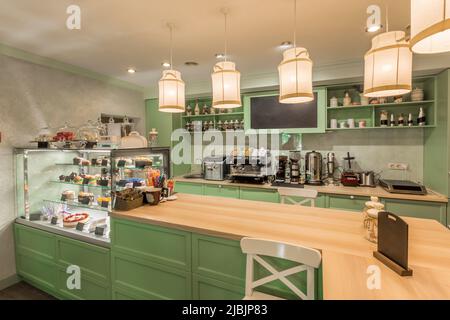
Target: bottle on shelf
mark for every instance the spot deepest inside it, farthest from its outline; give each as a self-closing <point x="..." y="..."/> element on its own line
<point x="410" y="120"/>
<point x="421" y="120"/>
<point x="197" y="109"/>
<point x="401" y="120"/>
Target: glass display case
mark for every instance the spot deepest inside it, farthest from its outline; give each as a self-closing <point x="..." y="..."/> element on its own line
<point x="71" y="192"/>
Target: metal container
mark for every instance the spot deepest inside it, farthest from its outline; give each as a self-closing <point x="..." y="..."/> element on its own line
<point x="367" y="179"/>
<point x="313" y="167"/>
<point x="215" y="168"/>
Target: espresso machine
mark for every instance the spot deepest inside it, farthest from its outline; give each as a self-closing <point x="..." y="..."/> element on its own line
<point x="254" y="168"/>
<point x="313" y="168"/>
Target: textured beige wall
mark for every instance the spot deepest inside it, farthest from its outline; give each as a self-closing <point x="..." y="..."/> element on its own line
<point x="34" y="96"/>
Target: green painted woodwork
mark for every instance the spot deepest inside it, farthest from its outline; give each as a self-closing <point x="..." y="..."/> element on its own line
<point x="93" y="261"/>
<point x="90" y="289"/>
<point x="204" y="288"/>
<point x="221" y="191"/>
<point x="351" y="203"/>
<point x="160" y="245"/>
<point x="42" y="259"/>
<point x="188" y="187"/>
<point x="259" y="195"/>
<point x="321" y="111"/>
<point x="437" y="141"/>
<point x="209" y="255"/>
<point x="417" y="209"/>
<point x="148" y="279"/>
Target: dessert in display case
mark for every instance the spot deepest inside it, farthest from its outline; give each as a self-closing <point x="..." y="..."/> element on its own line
<point x="71" y="192"/>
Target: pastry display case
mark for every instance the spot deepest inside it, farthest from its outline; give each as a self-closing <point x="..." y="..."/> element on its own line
<point x="71" y="191"/>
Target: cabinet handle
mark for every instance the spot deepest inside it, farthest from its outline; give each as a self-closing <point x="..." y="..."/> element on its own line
<point x="220" y="186"/>
<point x="352" y="197"/>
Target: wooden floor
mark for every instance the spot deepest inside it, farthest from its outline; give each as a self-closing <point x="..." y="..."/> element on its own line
<point x="24" y="291"/>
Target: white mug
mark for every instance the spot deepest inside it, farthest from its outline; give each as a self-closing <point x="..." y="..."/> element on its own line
<point x="351" y="123"/>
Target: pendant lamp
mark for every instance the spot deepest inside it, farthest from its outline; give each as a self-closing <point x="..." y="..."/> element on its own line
<point x="388" y="65"/>
<point x="430" y="26"/>
<point x="226" y="81"/>
<point x="171" y="87"/>
<point x="295" y="73"/>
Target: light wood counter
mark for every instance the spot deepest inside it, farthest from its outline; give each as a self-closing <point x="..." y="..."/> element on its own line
<point x="432" y="196"/>
<point x="338" y="234"/>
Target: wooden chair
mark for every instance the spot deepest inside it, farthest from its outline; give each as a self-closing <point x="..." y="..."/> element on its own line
<point x="309" y="259"/>
<point x="307" y="195"/>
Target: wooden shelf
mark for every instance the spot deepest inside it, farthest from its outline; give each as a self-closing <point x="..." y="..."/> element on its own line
<point x="381" y="105"/>
<point x="214" y="115"/>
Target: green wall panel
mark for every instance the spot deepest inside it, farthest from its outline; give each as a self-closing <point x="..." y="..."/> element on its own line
<point x="351" y="203"/>
<point x="204" y="288"/>
<point x="148" y="279"/>
<point x="188" y="187"/>
<point x="162" y="245"/>
<point x="259" y="195"/>
<point x="221" y="191"/>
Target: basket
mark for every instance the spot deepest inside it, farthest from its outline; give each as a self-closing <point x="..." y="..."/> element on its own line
<point x="124" y="205"/>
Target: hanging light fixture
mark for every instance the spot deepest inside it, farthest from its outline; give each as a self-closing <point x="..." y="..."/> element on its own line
<point x="226" y="80"/>
<point x="171" y="87"/>
<point x="430" y="26"/>
<point x="388" y="65"/>
<point x="295" y="72"/>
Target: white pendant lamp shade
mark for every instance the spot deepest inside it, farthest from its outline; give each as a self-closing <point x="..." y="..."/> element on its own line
<point x="388" y="66"/>
<point x="430" y="26"/>
<point x="295" y="72"/>
<point x="171" y="92"/>
<point x="226" y="83"/>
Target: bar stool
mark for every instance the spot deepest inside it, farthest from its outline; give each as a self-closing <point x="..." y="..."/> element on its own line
<point x="309" y="260"/>
<point x="308" y="195"/>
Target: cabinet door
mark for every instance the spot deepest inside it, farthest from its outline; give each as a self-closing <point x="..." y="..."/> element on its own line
<point x="221" y="191"/>
<point x="204" y="288"/>
<point x="351" y="203"/>
<point x="259" y="195"/>
<point x="188" y="187"/>
<point x="161" y="245"/>
<point x="218" y="258"/>
<point x="137" y="277"/>
<point x="90" y="289"/>
<point x="418" y="209"/>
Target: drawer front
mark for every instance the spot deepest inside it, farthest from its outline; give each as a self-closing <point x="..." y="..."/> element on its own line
<point x="417" y="209"/>
<point x="94" y="261"/>
<point x="351" y="203"/>
<point x="204" y="288"/>
<point x="218" y="258"/>
<point x="149" y="280"/>
<point x="36" y="241"/>
<point x="221" y="191"/>
<point x="191" y="188"/>
<point x="259" y="195"/>
<point x="161" y="245"/>
<point x="40" y="271"/>
<point x="89" y="289"/>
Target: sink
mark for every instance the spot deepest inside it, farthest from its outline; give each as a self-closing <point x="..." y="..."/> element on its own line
<point x="193" y="176"/>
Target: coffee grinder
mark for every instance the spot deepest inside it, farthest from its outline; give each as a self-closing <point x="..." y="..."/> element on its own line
<point x="348" y="177"/>
<point x="295" y="157"/>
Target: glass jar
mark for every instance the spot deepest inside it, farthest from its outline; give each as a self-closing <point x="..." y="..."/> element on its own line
<point x="89" y="133"/>
<point x="65" y="133"/>
<point x="370" y="222"/>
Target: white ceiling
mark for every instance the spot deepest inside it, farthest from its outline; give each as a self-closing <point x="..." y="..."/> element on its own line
<point x="116" y="34"/>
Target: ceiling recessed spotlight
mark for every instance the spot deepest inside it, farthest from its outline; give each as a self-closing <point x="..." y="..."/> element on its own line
<point x="219" y="55"/>
<point x="191" y="63"/>
<point x="374" y="28"/>
<point x="286" y="44"/>
<point x="131" y="70"/>
<point x="166" y="64"/>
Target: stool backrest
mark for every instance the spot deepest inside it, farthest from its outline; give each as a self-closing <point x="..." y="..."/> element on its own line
<point x="308" y="195"/>
<point x="309" y="259"/>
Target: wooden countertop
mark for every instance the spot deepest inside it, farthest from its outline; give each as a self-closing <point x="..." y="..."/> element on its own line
<point x="338" y="234"/>
<point x="378" y="191"/>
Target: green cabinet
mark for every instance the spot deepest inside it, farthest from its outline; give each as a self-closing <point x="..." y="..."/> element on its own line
<point x="418" y="209"/>
<point x="204" y="288"/>
<point x="257" y="194"/>
<point x="221" y="191"/>
<point x="42" y="258"/>
<point x="189" y="187"/>
<point x="321" y="200"/>
<point x="345" y="202"/>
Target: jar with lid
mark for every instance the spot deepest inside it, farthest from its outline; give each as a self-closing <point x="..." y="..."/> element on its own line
<point x="65" y="133"/>
<point x="89" y="133"/>
<point x="371" y="210"/>
<point x="44" y="137"/>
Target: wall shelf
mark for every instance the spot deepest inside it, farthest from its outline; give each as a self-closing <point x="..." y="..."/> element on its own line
<point x="384" y="128"/>
<point x="381" y="105"/>
<point x="214" y="115"/>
